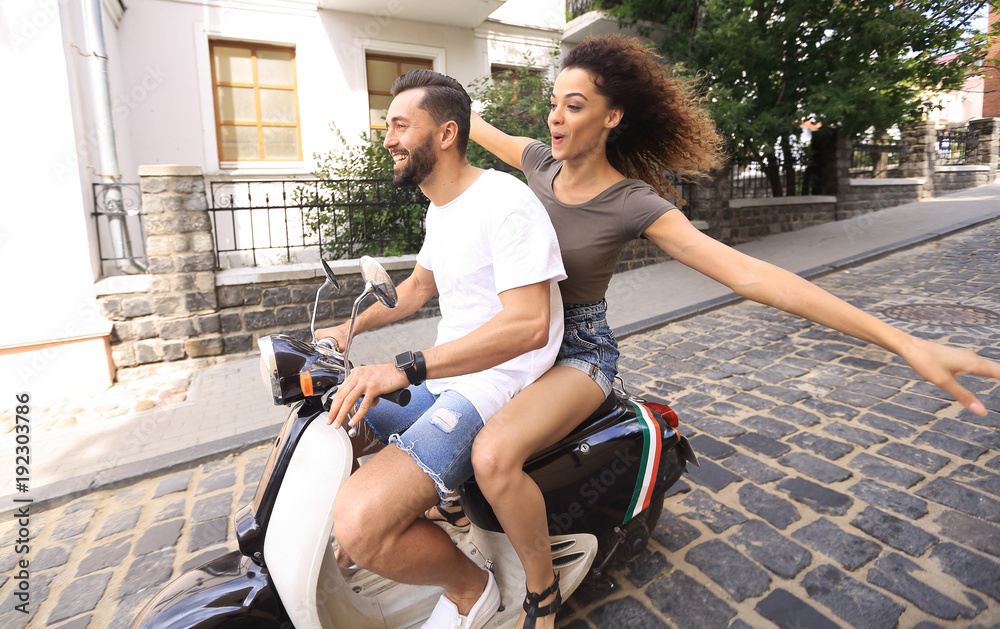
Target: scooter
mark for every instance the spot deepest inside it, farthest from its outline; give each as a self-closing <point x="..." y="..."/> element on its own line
<point x="603" y="486"/>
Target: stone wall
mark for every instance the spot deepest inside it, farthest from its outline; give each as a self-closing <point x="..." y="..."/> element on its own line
<point x="951" y="178"/>
<point x="861" y="196"/>
<point x="750" y="219"/>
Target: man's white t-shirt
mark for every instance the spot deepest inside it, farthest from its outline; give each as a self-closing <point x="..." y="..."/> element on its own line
<point x="493" y="237"/>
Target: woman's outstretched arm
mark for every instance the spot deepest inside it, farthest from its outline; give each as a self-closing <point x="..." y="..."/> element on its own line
<point x="507" y="147"/>
<point x="768" y="284"/>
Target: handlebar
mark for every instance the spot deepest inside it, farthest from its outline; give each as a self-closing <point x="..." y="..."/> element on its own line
<point x="401" y="397"/>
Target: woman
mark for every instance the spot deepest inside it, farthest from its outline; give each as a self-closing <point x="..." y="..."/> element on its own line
<point x="616" y="123"/>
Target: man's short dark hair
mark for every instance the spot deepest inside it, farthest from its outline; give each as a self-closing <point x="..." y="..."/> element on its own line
<point x="444" y="99"/>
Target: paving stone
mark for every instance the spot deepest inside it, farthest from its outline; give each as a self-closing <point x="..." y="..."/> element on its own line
<point x="994" y="463"/>
<point x="128" y="607"/>
<point x="697" y="400"/>
<point x="158" y="537"/>
<point x="760" y="444"/>
<point x="777" y="511"/>
<point x="108" y="555"/>
<point x="972" y="569"/>
<point x="796" y="415"/>
<point x="788" y="612"/>
<point x="752" y="469"/>
<point x="714" y="514"/>
<point x="754" y="402"/>
<point x="118" y="522"/>
<point x="871" y="388"/>
<point x="830" y="448"/>
<point x="820" y="499"/>
<point x="783" y="394"/>
<point x="895" y="532"/>
<point x="725" y="409"/>
<point x="647" y="567"/>
<point x="80" y="623"/>
<point x="851" y="398"/>
<point x="74" y="525"/>
<point x="219" y="480"/>
<point x="50" y="557"/>
<point x="204" y="534"/>
<point x="768" y="427"/>
<point x="850" y="551"/>
<point x="624" y="612"/>
<point x="80" y="596"/>
<point x="863" y="364"/>
<point x="982" y="536"/>
<point x="211" y="508"/>
<point x="975" y="434"/>
<point x="731" y="570"/>
<point x="977" y="477"/>
<point x="908" y="415"/>
<point x="921" y="402"/>
<point x="817" y="468"/>
<point x="705" y="445"/>
<point x="927" y="461"/>
<point x="891" y="427"/>
<point x="863" y="438"/>
<point x="716" y="427"/>
<point x="884" y="471"/>
<point x="771" y="549"/>
<point x="148" y="571"/>
<point x="900" y="502"/>
<point x="938" y="441"/>
<point x="895" y="573"/>
<point x="687" y="603"/>
<point x="712" y="475"/>
<point x="173" y="484"/>
<point x="829" y="409"/>
<point x="172" y="510"/>
<point x="951" y="494"/>
<point x="859" y="605"/>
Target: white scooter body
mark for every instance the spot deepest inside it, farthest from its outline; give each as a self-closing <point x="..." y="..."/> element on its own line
<point x="318" y="594"/>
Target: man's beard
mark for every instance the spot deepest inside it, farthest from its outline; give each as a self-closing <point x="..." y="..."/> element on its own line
<point x="419" y="163"/>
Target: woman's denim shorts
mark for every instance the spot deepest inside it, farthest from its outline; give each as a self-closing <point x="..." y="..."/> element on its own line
<point x="589" y="344"/>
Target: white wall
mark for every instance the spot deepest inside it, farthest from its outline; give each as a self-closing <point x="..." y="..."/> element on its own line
<point x="46" y="276"/>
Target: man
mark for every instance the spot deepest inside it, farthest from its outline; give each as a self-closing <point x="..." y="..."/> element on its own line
<point x="491" y="255"/>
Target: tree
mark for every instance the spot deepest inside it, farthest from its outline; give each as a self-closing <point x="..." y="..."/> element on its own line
<point x="851" y="66"/>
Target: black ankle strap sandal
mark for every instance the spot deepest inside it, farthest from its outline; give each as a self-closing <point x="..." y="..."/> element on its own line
<point x="531" y="599"/>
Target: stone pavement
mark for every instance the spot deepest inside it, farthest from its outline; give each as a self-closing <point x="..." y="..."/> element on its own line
<point x="835" y="490"/>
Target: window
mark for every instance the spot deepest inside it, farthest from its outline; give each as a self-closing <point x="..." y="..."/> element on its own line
<point x="256" y="106"/>
<point x="382" y="70"/>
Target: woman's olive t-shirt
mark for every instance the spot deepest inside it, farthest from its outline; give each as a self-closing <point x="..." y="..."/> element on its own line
<point x="591" y="235"/>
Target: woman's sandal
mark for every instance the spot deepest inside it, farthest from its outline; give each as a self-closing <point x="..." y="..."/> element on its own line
<point x="531" y="599"/>
<point x="452" y="517"/>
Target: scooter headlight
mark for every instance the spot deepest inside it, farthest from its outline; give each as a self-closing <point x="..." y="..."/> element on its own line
<point x="294" y="370"/>
<point x="269" y="368"/>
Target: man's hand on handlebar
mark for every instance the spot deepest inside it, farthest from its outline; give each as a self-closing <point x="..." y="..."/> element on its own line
<point x="337" y="333"/>
<point x="364" y="383"/>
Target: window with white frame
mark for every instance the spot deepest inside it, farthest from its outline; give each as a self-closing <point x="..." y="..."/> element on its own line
<point x="256" y="105"/>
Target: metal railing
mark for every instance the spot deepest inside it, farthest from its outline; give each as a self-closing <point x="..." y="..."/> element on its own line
<point x="956" y="146"/>
<point x="876" y="160"/>
<point x="759" y="178"/>
<point x="121" y="233"/>
<point x="263" y="222"/>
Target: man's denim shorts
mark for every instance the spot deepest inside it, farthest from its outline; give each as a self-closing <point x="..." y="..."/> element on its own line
<point x="437" y="431"/>
<point x="589" y="344"/>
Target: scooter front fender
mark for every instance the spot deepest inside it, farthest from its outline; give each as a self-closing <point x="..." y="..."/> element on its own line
<point x="229" y="591"/>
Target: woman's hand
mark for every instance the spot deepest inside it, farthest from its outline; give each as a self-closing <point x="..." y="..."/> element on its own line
<point x="939" y="364"/>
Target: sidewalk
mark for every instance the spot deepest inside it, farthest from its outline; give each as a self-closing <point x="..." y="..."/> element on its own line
<point x="228" y="409"/>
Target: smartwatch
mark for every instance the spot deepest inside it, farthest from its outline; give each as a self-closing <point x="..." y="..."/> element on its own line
<point x="412" y="364"/>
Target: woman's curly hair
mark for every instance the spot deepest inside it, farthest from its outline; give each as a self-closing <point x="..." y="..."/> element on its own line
<point x="664" y="128"/>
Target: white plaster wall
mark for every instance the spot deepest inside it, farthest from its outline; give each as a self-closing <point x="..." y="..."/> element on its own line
<point x="537" y="13"/>
<point x="47" y="277"/>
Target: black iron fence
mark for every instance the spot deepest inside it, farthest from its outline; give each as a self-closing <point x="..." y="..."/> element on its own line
<point x="118" y="222"/>
<point x="876" y="160"/>
<point x="956" y="146"/>
<point x="765" y="176"/>
<point x="289" y="221"/>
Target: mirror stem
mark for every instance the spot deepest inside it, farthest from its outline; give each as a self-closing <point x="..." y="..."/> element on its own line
<point x="312" y="324"/>
<point x="369" y="289"/>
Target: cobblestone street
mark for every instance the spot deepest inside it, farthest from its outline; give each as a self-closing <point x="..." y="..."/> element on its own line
<point x="835" y="489"/>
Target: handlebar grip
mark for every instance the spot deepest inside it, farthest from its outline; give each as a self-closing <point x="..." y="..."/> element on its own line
<point x="401" y="397"/>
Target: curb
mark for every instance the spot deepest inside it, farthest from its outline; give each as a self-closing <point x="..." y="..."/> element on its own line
<point x="63" y="491"/>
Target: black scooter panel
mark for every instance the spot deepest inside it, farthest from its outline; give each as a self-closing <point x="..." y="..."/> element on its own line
<point x="228" y="592"/>
<point x="589" y="479"/>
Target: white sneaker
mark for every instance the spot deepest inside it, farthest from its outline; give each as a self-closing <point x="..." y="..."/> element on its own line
<point x="446" y="616"/>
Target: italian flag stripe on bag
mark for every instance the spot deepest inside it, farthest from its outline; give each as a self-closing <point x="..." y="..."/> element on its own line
<point x="651" y="447"/>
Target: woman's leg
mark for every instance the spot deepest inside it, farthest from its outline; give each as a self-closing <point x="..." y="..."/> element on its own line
<point x="540" y="415"/>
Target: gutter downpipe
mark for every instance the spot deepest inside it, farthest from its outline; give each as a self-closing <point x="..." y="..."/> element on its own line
<point x="100" y="95"/>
